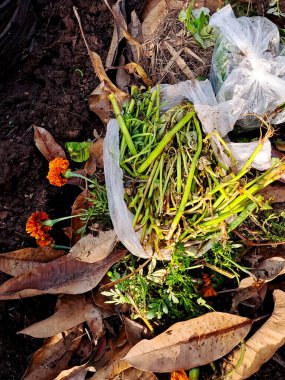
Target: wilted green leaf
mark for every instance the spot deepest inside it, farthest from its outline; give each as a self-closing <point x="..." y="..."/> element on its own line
<point x="78" y="151"/>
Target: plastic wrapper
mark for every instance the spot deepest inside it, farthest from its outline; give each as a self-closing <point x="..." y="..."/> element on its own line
<point x="247" y="63"/>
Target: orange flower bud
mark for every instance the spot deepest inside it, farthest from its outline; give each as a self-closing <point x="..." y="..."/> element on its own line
<point x="57" y="170"/>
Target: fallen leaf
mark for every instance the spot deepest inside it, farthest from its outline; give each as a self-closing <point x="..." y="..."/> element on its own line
<point x="81" y="203"/>
<point x="115" y="365"/>
<point x="276" y="193"/>
<point x="122" y="26"/>
<point x="92" y="249"/>
<point x="69" y="313"/>
<point x="118" y="34"/>
<point x="23" y="260"/>
<point x="75" y="373"/>
<point x="93" y="317"/>
<point x="46" y="144"/>
<point x="262" y="345"/>
<point x="96" y="157"/>
<point x="63" y="275"/>
<point x="51" y="359"/>
<point x="135" y="332"/>
<point x="99" y="103"/>
<point x="269" y="269"/>
<point x="123" y="79"/>
<point x="153" y="14"/>
<point x="98" y="65"/>
<point x="136" y="374"/>
<point x="133" y="67"/>
<point x="135" y="28"/>
<point x="213" y="5"/>
<point x="190" y="344"/>
<point x="248" y="288"/>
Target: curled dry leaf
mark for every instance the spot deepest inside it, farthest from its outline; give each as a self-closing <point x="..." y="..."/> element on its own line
<point x="51" y="359"/>
<point x="91" y="249"/>
<point x="154" y="13"/>
<point x="190" y="344"/>
<point x="99" y="103"/>
<point x="123" y="78"/>
<point x="249" y="289"/>
<point x="135" y="28"/>
<point x="133" y="67"/>
<point x="23" y="260"/>
<point x="96" y="157"/>
<point x="46" y="144"/>
<point x="75" y="373"/>
<point x="136" y="374"/>
<point x="69" y="312"/>
<point x="269" y="269"/>
<point x="262" y="345"/>
<point x="63" y="275"/>
<point x="135" y="332"/>
<point x="93" y="317"/>
<point x="81" y="203"/>
<point x="118" y="35"/>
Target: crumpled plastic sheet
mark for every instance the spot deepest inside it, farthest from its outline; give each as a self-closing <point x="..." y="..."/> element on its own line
<point x="120" y="215"/>
<point x="248" y="63"/>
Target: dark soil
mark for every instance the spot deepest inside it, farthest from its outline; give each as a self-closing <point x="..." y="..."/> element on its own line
<point x="45" y="87"/>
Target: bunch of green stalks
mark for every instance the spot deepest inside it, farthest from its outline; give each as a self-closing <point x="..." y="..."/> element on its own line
<point x="176" y="188"/>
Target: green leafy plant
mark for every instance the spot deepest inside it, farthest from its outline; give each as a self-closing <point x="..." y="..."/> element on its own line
<point x="197" y="23"/>
<point x="79" y="151"/>
<point x="275" y="9"/>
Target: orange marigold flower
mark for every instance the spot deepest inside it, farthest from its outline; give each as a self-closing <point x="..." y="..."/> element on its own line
<point x="57" y="169"/>
<point x="34" y="225"/>
<point x="180" y="375"/>
<point x="46" y="242"/>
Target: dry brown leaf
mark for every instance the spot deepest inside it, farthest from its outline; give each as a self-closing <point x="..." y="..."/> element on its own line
<point x="262" y="345"/>
<point x="75" y="373"/>
<point x="98" y="65"/>
<point x="99" y="103"/>
<point x="154" y="13"/>
<point x="190" y="344"/>
<point x="93" y="317"/>
<point x="118" y="34"/>
<point x="81" y="203"/>
<point x="135" y="332"/>
<point x="133" y="67"/>
<point x="63" y="275"/>
<point x="123" y="78"/>
<point x="213" y="5"/>
<point x="96" y="157"/>
<point x="23" y="260"/>
<point x="92" y="249"/>
<point x="248" y="290"/>
<point x="135" y="374"/>
<point x="122" y="26"/>
<point x="51" y="359"/>
<point x="46" y="144"/>
<point x="114" y="364"/>
<point x="69" y="313"/>
<point x="269" y="269"/>
<point x="276" y="193"/>
<point x="135" y="28"/>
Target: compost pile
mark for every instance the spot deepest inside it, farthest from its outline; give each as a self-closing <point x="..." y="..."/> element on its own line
<point x="173" y="199"/>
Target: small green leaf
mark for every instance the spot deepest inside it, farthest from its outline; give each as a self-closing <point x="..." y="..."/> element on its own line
<point x="78" y="151"/>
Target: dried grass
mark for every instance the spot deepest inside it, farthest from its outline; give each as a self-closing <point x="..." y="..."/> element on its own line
<point x="172" y="54"/>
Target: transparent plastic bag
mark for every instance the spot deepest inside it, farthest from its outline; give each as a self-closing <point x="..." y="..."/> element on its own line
<point x="247" y="64"/>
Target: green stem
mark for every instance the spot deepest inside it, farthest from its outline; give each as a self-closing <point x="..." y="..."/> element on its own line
<point x="164" y="141"/>
<point x="51" y="222"/>
<point x="70" y="174"/>
<point x="188" y="185"/>
<point x="122" y="124"/>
